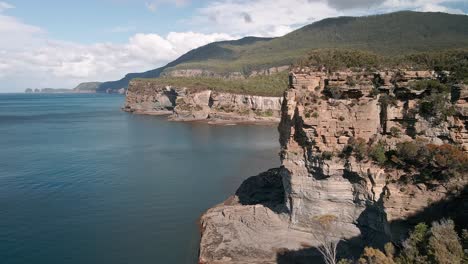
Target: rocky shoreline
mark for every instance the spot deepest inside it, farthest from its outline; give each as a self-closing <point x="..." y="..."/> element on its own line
<point x="184" y="104"/>
<point x="270" y="219"/>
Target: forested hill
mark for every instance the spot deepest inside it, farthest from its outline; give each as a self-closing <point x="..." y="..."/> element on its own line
<point x="388" y="34"/>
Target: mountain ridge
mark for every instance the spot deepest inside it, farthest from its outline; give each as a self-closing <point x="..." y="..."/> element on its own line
<point x="387" y="34"/>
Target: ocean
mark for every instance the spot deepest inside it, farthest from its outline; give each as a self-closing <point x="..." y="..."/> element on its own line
<point x="83" y="182"/>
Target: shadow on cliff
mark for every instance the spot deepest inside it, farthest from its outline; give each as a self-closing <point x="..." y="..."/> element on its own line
<point x="372" y="219"/>
<point x="265" y="188"/>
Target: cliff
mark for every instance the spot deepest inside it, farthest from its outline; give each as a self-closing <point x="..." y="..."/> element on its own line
<point x="379" y="150"/>
<point x="186" y="103"/>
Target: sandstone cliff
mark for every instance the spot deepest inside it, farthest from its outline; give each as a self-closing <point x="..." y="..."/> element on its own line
<point x="186" y="104"/>
<point x="331" y="125"/>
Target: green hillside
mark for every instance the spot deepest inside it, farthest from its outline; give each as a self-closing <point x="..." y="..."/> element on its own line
<point x="272" y="85"/>
<point x="388" y="34"/>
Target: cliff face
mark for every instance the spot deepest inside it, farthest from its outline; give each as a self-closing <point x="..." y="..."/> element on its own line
<point x="323" y="114"/>
<point x="183" y="104"/>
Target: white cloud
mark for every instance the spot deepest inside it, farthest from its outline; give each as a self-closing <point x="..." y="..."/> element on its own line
<point x="422" y="5"/>
<point x="265" y="17"/>
<point x="29" y="58"/>
<point x="4" y="6"/>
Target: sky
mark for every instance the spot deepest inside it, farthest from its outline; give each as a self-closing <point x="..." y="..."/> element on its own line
<point x="59" y="44"/>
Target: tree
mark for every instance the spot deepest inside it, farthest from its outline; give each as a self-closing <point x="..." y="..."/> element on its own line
<point x="375" y="256"/>
<point x="326" y="234"/>
<point x="444" y="245"/>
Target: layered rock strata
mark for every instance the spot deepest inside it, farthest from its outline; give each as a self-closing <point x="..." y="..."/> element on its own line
<point x="184" y="104"/>
<point x="322" y="113"/>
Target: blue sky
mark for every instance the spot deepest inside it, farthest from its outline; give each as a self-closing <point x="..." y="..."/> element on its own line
<point x="52" y="43"/>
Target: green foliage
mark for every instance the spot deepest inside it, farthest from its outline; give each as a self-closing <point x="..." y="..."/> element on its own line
<point x="375" y="256"/>
<point x="388" y="100"/>
<point x="395" y="132"/>
<point x="377" y="153"/>
<point x="444" y="244"/>
<point x="433" y="86"/>
<point x="270" y="85"/>
<point x="414" y="248"/>
<point x="333" y="92"/>
<point x="439" y="244"/>
<point x="356" y="147"/>
<point x="434" y="162"/>
<point x="335" y="59"/>
<point x="436" y="108"/>
<point x="327" y="155"/>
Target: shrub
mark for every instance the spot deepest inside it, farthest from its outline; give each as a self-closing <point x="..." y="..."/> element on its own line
<point x="444" y="245"/>
<point x="414" y="248"/>
<point x="387" y="100"/>
<point x="433" y="86"/>
<point x="357" y="147"/>
<point x="375" y="256"/>
<point x="327" y="155"/>
<point x="350" y="81"/>
<point x="377" y="153"/>
<point x="333" y="92"/>
<point x="434" y="162"/>
<point x="439" y="244"/>
<point x="436" y="108"/>
<point x="395" y="132"/>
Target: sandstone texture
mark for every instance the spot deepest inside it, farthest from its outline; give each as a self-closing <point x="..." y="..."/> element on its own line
<point x="184" y="104"/>
<point x="321" y="113"/>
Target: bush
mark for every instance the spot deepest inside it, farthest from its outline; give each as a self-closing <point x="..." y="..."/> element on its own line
<point x="439" y="244"/>
<point x="433" y="86"/>
<point x="377" y="153"/>
<point x="387" y="100"/>
<point x="395" y="132"/>
<point x="374" y="256"/>
<point x="434" y="162"/>
<point x="436" y="108"/>
<point x="444" y="244"/>
<point x="327" y="155"/>
<point x="333" y="92"/>
<point x="357" y="147"/>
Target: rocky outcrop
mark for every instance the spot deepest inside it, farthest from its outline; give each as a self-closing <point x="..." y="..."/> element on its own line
<point x="322" y="114"/>
<point x="184" y="104"/>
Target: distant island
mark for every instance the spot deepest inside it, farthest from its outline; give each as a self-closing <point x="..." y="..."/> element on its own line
<point x="85" y="88"/>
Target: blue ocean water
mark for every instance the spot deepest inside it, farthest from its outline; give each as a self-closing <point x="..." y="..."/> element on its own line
<point x="83" y="182"/>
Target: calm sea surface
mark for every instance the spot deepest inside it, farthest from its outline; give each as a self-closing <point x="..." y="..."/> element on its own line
<point x="83" y="182"/>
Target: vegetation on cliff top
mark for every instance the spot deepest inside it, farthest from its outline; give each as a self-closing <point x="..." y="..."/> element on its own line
<point x="453" y="60"/>
<point x="425" y="162"/>
<point x="270" y="85"/>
